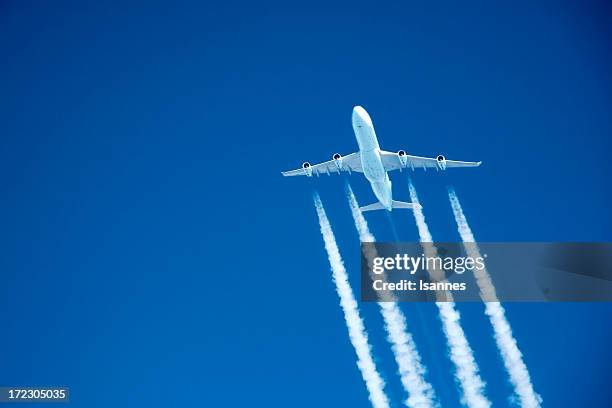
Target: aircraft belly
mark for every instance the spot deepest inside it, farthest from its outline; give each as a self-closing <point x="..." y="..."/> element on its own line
<point x="371" y="162"/>
<point x="366" y="138"/>
<point x="380" y="191"/>
<point x="373" y="168"/>
<point x="375" y="173"/>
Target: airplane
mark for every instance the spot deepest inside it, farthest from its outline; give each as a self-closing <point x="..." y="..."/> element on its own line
<point x="374" y="163"/>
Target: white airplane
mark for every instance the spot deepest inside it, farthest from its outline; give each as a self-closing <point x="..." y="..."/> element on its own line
<point x="375" y="163"/>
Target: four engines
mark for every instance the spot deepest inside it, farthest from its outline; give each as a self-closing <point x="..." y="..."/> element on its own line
<point x="401" y="155"/>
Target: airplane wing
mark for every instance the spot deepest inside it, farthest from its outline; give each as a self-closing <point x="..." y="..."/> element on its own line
<point x="395" y="161"/>
<point x="349" y="163"/>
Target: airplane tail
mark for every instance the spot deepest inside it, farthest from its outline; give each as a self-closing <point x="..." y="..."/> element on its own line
<point x="395" y="204"/>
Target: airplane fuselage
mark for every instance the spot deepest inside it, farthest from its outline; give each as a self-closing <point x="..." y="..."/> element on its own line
<point x="374" y="163"/>
<point x="371" y="162"/>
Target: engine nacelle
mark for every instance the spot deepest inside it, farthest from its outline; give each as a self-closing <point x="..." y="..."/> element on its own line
<point x="337" y="160"/>
<point x="402" y="157"/>
<point x="307" y="169"/>
<point x="441" y="160"/>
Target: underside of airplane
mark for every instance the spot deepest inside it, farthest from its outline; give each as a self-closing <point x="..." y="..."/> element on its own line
<point x="374" y="163"/>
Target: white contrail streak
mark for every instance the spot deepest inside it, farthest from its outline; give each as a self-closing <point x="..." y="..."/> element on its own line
<point x="511" y="355"/>
<point x="356" y="328"/>
<point x="460" y="351"/>
<point x="411" y="370"/>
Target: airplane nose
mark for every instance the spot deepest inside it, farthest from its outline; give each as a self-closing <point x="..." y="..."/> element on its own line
<point x="360" y="115"/>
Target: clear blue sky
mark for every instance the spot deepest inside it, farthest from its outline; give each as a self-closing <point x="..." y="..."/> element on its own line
<point x="153" y="255"/>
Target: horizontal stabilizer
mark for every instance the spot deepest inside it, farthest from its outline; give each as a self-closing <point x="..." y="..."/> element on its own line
<point x="395" y="204"/>
<point x="401" y="204"/>
<point x="372" y="207"/>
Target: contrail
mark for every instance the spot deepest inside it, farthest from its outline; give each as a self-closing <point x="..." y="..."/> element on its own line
<point x="411" y="370"/>
<point x="513" y="359"/>
<point x="460" y="351"/>
<point x="356" y="328"/>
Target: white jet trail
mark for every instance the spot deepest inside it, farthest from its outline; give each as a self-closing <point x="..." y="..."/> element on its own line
<point x="511" y="355"/>
<point x="356" y="328"/>
<point x="411" y="370"/>
<point x="460" y="351"/>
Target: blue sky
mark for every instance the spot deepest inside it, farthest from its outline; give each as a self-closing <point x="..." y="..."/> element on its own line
<point x="154" y="256"/>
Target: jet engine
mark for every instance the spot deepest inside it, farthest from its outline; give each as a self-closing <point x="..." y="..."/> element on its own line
<point x="441" y="162"/>
<point x="337" y="160"/>
<point x="402" y="157"/>
<point x="307" y="169"/>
